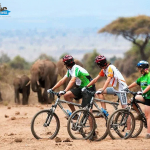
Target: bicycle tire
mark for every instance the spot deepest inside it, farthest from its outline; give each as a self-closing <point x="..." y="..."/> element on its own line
<point x="138" y="125"/>
<point x="39" y="130"/>
<point x="117" y="123"/>
<point x="76" y="128"/>
<point x="101" y="125"/>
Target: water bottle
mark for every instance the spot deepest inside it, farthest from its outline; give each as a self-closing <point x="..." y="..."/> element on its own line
<point x="69" y="113"/>
<point x="104" y="111"/>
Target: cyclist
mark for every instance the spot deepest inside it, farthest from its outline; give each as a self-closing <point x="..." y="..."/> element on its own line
<point x="144" y="94"/>
<point x="113" y="77"/>
<point x="80" y="77"/>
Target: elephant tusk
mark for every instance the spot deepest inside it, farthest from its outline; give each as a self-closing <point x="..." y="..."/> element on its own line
<point x="28" y="83"/>
<point x="38" y="83"/>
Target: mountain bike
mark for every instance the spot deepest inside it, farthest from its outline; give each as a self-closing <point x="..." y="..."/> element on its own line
<point x="122" y="119"/>
<point x="46" y="124"/>
<point x="77" y="128"/>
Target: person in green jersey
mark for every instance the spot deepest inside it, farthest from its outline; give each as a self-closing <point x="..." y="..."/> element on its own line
<point x="144" y="94"/>
<point x="80" y="77"/>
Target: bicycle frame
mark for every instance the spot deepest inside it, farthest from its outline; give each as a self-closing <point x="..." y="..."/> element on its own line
<point x="58" y="103"/>
<point x="135" y="102"/>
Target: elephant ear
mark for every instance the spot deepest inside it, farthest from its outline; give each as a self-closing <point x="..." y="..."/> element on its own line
<point x="24" y="81"/>
<point x="41" y="67"/>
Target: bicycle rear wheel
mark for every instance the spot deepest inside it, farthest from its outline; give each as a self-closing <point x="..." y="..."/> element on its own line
<point x="121" y="124"/>
<point x="45" y="125"/>
<point x="101" y="125"/>
<point x="81" y="124"/>
<point x="138" y="125"/>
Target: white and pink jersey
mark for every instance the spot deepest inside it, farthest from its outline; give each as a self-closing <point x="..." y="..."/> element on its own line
<point x="112" y="71"/>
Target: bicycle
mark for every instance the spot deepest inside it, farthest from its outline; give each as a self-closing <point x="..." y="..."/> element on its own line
<point x="117" y="123"/>
<point x="46" y="124"/>
<point x="100" y="126"/>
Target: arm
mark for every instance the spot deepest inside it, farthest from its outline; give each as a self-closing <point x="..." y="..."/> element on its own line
<point x="132" y="85"/>
<point x="106" y="83"/>
<point x="71" y="83"/>
<point x="146" y="89"/>
<point x="59" y="83"/>
<point x="93" y="81"/>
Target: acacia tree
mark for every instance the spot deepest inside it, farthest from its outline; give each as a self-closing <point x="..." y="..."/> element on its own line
<point x="132" y="29"/>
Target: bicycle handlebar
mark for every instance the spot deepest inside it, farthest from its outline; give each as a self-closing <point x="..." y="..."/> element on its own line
<point x="90" y="92"/>
<point x="133" y="93"/>
<point x="55" y="93"/>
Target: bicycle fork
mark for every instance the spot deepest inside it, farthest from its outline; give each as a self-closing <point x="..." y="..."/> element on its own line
<point x="49" y="118"/>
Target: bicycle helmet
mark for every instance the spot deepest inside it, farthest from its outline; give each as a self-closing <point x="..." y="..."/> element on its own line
<point x="101" y="61"/>
<point x="143" y="64"/>
<point x="68" y="60"/>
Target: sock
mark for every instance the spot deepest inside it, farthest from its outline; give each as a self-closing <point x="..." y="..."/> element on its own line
<point x="127" y="131"/>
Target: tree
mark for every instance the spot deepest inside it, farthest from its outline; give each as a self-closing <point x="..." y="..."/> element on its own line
<point x="132" y="29"/>
<point x="64" y="54"/>
<point x="88" y="62"/>
<point x="4" y="58"/>
<point x="127" y="65"/>
<point x="44" y="56"/>
<point x="19" y="63"/>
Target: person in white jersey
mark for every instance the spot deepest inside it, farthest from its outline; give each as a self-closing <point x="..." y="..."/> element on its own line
<point x="114" y="77"/>
<point x="80" y="77"/>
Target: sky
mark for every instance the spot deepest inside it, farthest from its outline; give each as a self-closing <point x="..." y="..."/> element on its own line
<point x="40" y="14"/>
<point x="68" y="15"/>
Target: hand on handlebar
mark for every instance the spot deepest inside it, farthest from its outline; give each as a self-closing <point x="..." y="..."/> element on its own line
<point x="125" y="89"/>
<point x="50" y="91"/>
<point x="139" y="93"/>
<point x="99" y="92"/>
<point x="84" y="89"/>
<point x="62" y="92"/>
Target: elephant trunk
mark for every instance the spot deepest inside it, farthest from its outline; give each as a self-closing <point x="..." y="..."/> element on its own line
<point x="35" y="86"/>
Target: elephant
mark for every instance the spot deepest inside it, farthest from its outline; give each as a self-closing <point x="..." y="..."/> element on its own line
<point x="62" y="69"/>
<point x="43" y="75"/>
<point x="22" y="85"/>
<point x="1" y="97"/>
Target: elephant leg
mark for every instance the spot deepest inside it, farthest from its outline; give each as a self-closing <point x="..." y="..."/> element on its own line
<point x="24" y="97"/>
<point x="40" y="98"/>
<point x="1" y="97"/>
<point x="28" y="93"/>
<point x="17" y="97"/>
<point x="46" y="97"/>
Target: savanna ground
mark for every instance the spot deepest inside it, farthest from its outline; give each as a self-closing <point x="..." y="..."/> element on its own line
<point x="15" y="122"/>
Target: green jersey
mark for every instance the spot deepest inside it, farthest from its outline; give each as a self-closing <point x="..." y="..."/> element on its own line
<point x="82" y="76"/>
<point x="144" y="81"/>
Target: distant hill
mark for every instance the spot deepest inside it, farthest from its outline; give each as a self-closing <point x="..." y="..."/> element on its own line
<point x="31" y="43"/>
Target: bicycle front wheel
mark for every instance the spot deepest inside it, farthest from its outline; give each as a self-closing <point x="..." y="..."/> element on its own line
<point x="101" y="125"/>
<point x="121" y="124"/>
<point x="81" y="124"/>
<point x="45" y="125"/>
<point x="138" y="125"/>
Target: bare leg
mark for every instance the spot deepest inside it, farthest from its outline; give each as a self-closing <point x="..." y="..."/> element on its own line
<point x="68" y="97"/>
<point x="101" y="96"/>
<point x="147" y="114"/>
<point x="138" y="97"/>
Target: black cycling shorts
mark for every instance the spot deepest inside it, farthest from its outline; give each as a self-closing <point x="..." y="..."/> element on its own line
<point x="147" y="102"/>
<point x="86" y="97"/>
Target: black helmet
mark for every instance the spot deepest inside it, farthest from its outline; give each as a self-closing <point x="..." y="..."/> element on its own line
<point x="68" y="60"/>
<point x="101" y="61"/>
<point x="143" y="64"/>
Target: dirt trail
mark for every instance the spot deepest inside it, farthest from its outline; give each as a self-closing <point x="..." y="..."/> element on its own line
<point x="10" y="130"/>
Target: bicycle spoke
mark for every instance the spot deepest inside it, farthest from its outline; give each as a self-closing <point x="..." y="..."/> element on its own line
<point x="45" y="125"/>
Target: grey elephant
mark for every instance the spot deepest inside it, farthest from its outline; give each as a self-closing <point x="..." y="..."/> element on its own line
<point x="1" y="97"/>
<point x="43" y="75"/>
<point x="22" y="85"/>
<point x="62" y="69"/>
